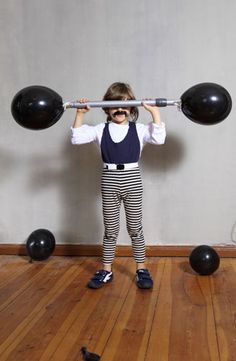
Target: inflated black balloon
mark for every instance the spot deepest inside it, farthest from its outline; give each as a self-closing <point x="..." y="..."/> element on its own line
<point x="204" y="260"/>
<point x="37" y="107"/>
<point x="206" y="103"/>
<point x="40" y="244"/>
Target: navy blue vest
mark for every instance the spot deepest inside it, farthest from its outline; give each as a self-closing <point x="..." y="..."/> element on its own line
<point x="126" y="151"/>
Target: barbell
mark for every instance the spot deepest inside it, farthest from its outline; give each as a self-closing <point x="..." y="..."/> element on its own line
<point x="38" y="107"/>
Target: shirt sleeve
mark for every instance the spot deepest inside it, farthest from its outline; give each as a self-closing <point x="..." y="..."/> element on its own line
<point x="152" y="133"/>
<point x="86" y="134"/>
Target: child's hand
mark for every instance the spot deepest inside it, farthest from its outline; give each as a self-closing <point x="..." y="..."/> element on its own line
<point x="86" y="108"/>
<point x="154" y="110"/>
<point x="151" y="108"/>
<point x="80" y="113"/>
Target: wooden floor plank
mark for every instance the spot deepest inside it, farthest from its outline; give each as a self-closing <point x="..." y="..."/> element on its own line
<point x="27" y="312"/>
<point x="20" y="296"/>
<point x="11" y="267"/>
<point x="224" y="301"/>
<point x="91" y="321"/>
<point x="48" y="313"/>
<point x="130" y="334"/>
<point x="16" y="286"/>
<point x="42" y="332"/>
<point x="158" y="347"/>
<point x="183" y="327"/>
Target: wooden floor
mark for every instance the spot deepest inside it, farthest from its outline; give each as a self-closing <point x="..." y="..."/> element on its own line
<point x="47" y="313"/>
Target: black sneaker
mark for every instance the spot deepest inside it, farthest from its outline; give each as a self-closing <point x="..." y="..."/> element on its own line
<point x="100" y="278"/>
<point x="143" y="278"/>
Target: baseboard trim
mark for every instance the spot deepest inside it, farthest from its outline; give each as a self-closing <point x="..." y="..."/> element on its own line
<point x="121" y="251"/>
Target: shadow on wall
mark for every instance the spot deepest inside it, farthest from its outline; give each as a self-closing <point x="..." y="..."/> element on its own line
<point x="165" y="157"/>
<point x="81" y="215"/>
<point x="8" y="165"/>
<point x="77" y="176"/>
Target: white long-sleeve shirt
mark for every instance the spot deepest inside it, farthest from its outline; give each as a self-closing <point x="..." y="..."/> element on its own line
<point x="150" y="133"/>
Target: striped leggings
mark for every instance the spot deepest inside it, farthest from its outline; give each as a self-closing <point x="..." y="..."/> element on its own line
<point x="126" y="186"/>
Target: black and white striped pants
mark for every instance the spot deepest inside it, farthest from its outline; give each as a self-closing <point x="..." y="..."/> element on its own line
<point x="126" y="186"/>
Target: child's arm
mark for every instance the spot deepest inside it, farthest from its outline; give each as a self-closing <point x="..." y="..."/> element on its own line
<point x="155" y="132"/>
<point x="80" y="114"/>
<point x="155" y="112"/>
<point x="83" y="133"/>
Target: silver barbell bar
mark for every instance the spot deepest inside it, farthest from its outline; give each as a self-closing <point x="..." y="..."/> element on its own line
<point x="160" y="102"/>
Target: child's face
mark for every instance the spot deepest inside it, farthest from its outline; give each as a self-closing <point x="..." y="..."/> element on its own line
<point x="119" y="115"/>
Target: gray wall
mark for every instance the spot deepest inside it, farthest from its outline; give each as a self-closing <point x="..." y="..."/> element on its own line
<point x="78" y="48"/>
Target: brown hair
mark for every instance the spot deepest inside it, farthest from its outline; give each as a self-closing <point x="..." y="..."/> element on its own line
<point x="121" y="91"/>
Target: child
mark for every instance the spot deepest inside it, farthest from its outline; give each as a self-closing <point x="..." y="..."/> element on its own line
<point x="121" y="141"/>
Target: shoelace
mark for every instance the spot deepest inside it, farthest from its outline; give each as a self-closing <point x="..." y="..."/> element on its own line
<point x="144" y="274"/>
<point x="99" y="275"/>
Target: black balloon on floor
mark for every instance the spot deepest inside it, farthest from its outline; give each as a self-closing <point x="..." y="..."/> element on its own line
<point x="206" y="103"/>
<point x="37" y="107"/>
<point x="40" y="244"/>
<point x="204" y="260"/>
<point x="89" y="356"/>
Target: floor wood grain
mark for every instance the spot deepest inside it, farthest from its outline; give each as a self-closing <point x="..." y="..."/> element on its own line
<point x="48" y="313"/>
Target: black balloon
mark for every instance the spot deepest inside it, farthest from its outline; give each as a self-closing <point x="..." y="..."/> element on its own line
<point x="206" y="103"/>
<point x="40" y="244"/>
<point x="89" y="356"/>
<point x="37" y="107"/>
<point x="204" y="260"/>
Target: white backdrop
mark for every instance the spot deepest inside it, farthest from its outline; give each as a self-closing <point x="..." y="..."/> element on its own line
<point x="78" y="48"/>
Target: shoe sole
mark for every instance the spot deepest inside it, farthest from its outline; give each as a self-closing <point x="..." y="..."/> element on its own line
<point x="94" y="287"/>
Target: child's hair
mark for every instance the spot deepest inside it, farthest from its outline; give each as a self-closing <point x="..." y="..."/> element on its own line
<point x="121" y="91"/>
